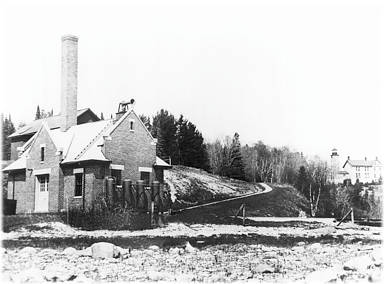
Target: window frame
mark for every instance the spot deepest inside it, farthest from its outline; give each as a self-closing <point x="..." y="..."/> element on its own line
<point x="43" y="181"/>
<point x="81" y="186"/>
<point x="131" y="124"/>
<point x="42" y="154"/>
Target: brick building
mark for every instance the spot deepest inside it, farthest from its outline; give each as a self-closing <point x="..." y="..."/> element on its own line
<point x="63" y="160"/>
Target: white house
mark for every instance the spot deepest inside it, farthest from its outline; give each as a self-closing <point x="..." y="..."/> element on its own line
<point x="365" y="171"/>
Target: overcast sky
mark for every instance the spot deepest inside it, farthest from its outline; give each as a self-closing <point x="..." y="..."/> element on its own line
<point x="308" y="74"/>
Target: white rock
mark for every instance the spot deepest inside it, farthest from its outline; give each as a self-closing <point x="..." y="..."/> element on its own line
<point x="324" y="275"/>
<point x="27" y="251"/>
<point x="105" y="250"/>
<point x="264" y="268"/>
<point x="154" y="247"/>
<point x="189" y="248"/>
<point x="136" y="252"/>
<point x="360" y="263"/>
<point x="377" y="257"/>
<point x="70" y="251"/>
<point x="300" y="243"/>
<point x="316" y="246"/>
<point x="176" y="251"/>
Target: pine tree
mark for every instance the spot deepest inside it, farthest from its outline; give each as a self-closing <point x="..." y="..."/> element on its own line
<point x="236" y="166"/>
<point x="164" y="129"/>
<point x="191" y="148"/>
<point x="101" y="116"/>
<point x="38" y="114"/>
<point x="7" y="129"/>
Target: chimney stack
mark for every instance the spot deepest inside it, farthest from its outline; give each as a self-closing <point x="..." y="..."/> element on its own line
<point x="68" y="82"/>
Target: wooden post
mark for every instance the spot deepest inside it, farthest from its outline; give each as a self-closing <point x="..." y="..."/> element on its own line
<point x="67" y="212"/>
<point x="238" y="211"/>
<point x="346" y="215"/>
<point x="243" y="214"/>
<point x="109" y="192"/>
<point x="152" y="212"/>
<point x="140" y="195"/>
<point x="352" y="217"/>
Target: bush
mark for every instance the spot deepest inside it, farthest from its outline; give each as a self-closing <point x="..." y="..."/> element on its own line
<point x="100" y="216"/>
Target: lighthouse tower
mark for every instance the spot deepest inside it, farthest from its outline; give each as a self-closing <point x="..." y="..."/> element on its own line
<point x="335" y="165"/>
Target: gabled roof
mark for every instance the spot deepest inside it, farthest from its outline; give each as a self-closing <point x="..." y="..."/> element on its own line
<point x="52" y="122"/>
<point x="80" y="142"/>
<point x="363" y="163"/>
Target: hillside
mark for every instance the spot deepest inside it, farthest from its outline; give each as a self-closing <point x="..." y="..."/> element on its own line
<point x="190" y="186"/>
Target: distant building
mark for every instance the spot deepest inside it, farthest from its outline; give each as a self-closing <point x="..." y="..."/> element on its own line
<point x="365" y="171"/>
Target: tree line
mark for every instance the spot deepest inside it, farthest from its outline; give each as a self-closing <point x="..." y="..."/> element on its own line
<point x="179" y="142"/>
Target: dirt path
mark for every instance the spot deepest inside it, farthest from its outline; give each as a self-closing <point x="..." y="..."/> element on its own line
<point x="224" y="202"/>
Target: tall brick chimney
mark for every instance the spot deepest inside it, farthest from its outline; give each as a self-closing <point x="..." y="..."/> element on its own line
<point x="68" y="82"/>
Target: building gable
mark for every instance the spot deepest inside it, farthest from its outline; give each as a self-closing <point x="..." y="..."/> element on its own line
<point x="42" y="140"/>
<point x="130" y="144"/>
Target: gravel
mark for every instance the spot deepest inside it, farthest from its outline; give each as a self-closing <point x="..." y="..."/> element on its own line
<point x="355" y="260"/>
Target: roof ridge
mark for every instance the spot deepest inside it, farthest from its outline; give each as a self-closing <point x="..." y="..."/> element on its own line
<point x="93" y="140"/>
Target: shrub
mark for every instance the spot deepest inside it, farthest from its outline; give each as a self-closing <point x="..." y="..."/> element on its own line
<point x="100" y="216"/>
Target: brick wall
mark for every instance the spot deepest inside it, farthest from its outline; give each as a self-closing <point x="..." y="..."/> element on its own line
<point x="51" y="161"/>
<point x="133" y="149"/>
<point x="16" y="180"/>
<point x="93" y="185"/>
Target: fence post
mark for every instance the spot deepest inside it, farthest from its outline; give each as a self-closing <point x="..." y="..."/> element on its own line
<point x="67" y="212"/>
<point x="148" y="198"/>
<point x="133" y="190"/>
<point x="109" y="191"/>
<point x="244" y="214"/>
<point x="156" y="195"/>
<point x="352" y="216"/>
<point x="127" y="194"/>
<point x="152" y="212"/>
<point x="140" y="194"/>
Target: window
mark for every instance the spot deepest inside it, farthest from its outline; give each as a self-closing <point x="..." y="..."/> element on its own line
<point x="357" y="169"/>
<point x="145" y="177"/>
<point x="131" y="125"/>
<point x="79" y="184"/>
<point x="42" y="153"/>
<point x="116" y="175"/>
<point x="43" y="182"/>
<point x="357" y="175"/>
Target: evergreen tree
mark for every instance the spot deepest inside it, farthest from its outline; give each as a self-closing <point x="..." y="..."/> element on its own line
<point x="101" y="116"/>
<point x="7" y="129"/>
<point x="38" y="114"/>
<point x="164" y="129"/>
<point x="236" y="166"/>
<point x="191" y="148"/>
<point x="302" y="179"/>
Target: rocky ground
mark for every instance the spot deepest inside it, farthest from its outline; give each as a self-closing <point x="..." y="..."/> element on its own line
<point x="304" y="252"/>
